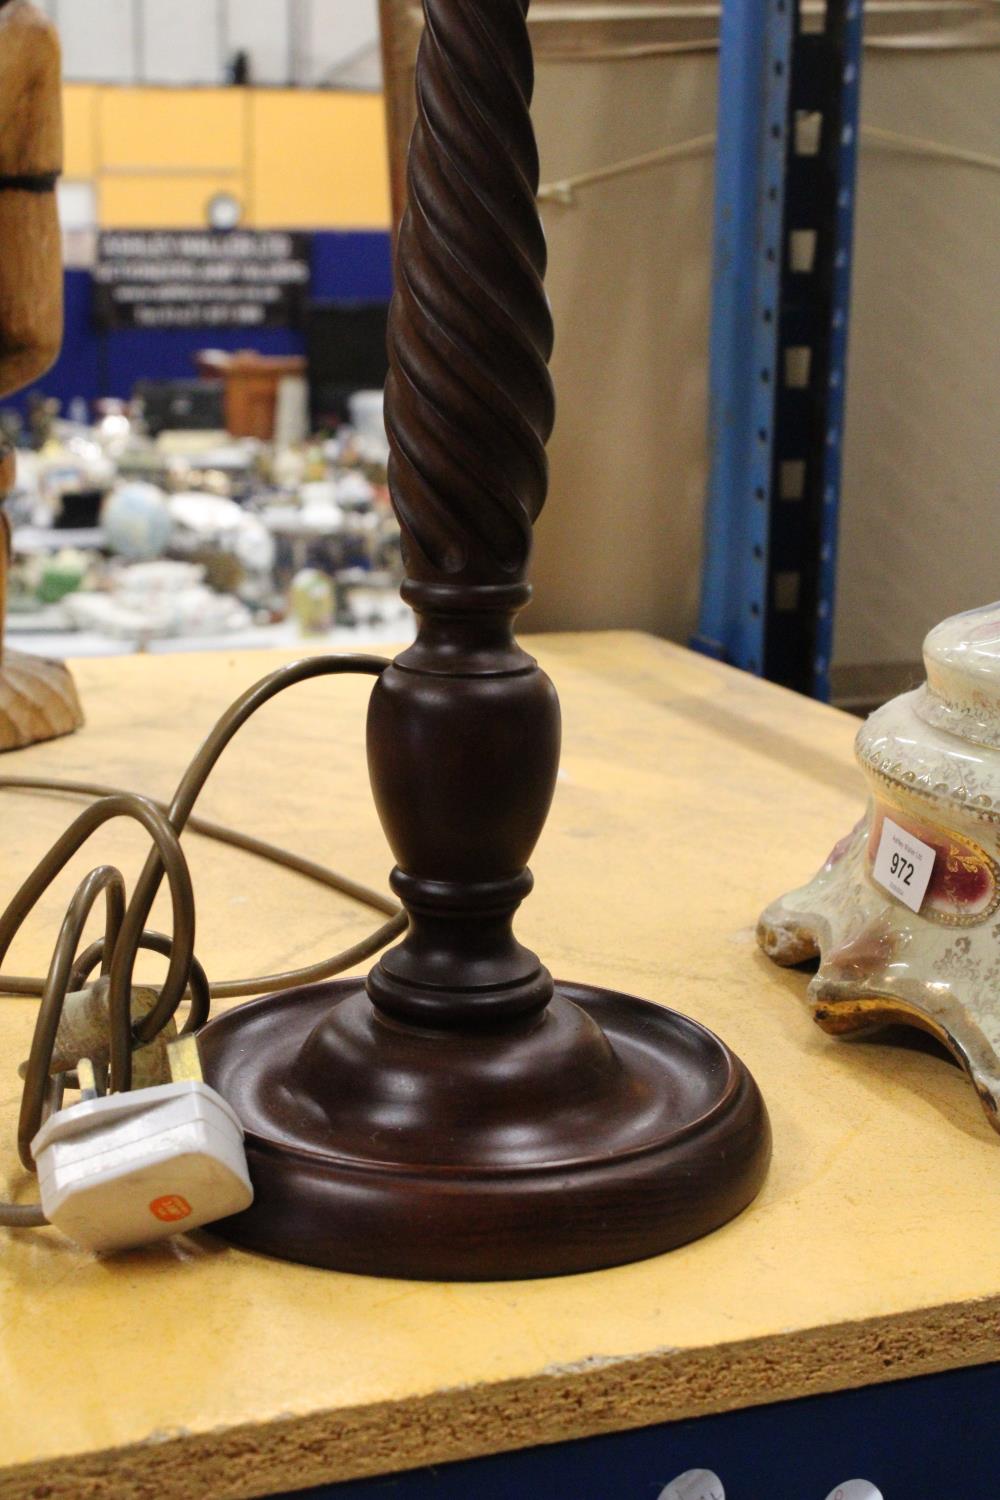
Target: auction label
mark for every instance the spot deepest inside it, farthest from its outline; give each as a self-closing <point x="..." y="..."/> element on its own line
<point x="903" y="865"/>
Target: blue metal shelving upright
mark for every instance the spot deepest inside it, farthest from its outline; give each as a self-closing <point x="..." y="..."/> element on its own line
<point x="784" y="214"/>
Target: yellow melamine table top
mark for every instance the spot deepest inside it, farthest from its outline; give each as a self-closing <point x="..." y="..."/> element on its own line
<point x="689" y="796"/>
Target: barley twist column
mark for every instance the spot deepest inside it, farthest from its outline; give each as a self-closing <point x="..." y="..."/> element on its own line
<point x="469" y="401"/>
<point x="464" y="728"/>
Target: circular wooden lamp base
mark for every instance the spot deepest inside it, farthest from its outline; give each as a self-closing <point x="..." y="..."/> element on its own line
<point x="38" y="699"/>
<point x="605" y="1129"/>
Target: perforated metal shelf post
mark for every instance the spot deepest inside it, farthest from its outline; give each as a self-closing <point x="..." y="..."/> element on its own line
<point x="784" y="214"/>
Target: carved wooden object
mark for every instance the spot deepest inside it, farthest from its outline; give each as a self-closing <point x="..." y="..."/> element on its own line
<point x="461" y="1116"/>
<point x="37" y="698"/>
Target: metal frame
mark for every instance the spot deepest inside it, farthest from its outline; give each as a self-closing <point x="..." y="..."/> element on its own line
<point x="785" y="185"/>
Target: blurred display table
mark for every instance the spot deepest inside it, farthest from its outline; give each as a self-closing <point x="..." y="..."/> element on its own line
<point x="689" y="795"/>
<point x="284" y="636"/>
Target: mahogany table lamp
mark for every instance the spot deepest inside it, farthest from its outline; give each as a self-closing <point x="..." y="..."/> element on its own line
<point x="37" y="697"/>
<point x="460" y="1116"/>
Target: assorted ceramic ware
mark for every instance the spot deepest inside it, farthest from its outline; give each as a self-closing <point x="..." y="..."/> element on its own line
<point x="903" y="916"/>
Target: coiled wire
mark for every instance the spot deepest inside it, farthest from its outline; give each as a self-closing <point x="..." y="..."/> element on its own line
<point x="125" y="931"/>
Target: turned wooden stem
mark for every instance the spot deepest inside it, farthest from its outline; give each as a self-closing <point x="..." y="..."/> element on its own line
<point x="30" y="161"/>
<point x="37" y="698"/>
<point x="30" y="256"/>
<point x="5" y="544"/>
<point x="464" y="728"/>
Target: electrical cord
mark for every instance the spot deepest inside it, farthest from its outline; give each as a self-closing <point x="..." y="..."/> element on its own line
<point x="227" y="989"/>
<point x="125" y="933"/>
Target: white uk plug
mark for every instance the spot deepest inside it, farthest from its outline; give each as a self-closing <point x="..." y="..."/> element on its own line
<point x="128" y="1169"/>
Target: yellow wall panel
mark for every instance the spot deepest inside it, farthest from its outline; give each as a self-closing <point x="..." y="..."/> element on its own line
<point x="295" y="158"/>
<point x="79" y="130"/>
<point x="184" y="128"/>
<point x="318" y="160"/>
<point x="161" y="202"/>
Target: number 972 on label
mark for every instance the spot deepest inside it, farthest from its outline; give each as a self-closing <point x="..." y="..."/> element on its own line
<point x="903" y="864"/>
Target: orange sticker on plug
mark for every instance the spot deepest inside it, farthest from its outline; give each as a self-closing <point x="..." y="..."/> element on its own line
<point x="171" y="1208"/>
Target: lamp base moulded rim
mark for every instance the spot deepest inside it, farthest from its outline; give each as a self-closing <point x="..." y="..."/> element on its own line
<point x="603" y="1130"/>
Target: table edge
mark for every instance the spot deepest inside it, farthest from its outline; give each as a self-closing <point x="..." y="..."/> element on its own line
<point x="598" y="1395"/>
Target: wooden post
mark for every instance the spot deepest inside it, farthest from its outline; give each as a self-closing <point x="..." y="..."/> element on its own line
<point x="37" y="698"/>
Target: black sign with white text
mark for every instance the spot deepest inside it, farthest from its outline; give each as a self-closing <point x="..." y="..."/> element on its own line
<point x="201" y="279"/>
